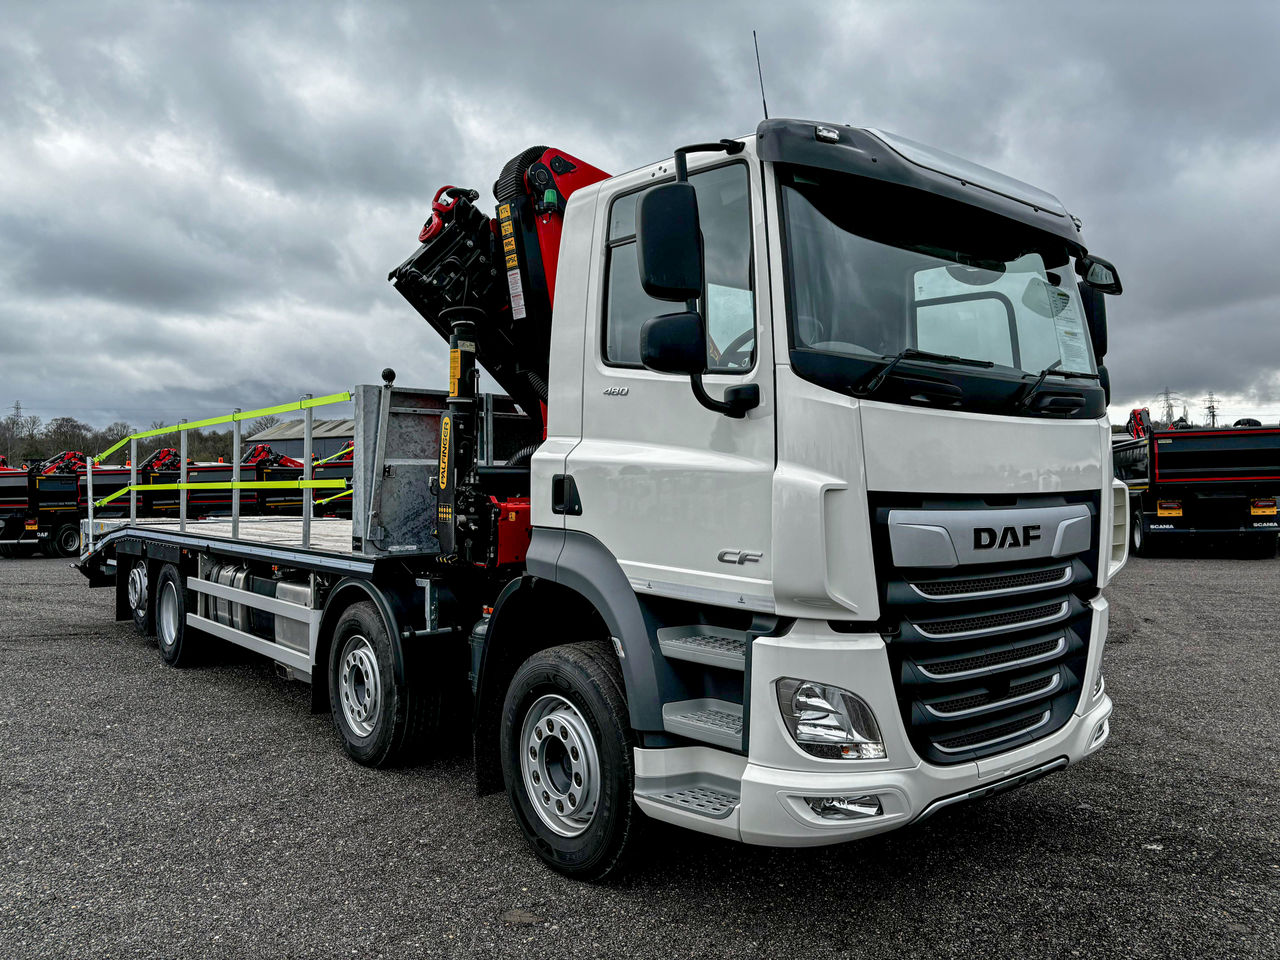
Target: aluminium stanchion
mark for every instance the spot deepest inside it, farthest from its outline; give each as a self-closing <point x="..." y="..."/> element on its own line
<point x="306" y="472"/>
<point x="235" y="476"/>
<point x="133" y="480"/>
<point x="182" y="477"/>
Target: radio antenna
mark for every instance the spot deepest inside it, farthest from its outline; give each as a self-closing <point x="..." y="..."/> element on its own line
<point x="760" y="74"/>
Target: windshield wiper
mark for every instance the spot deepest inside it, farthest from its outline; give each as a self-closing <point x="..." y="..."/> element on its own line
<point x="911" y="353"/>
<point x="1024" y="402"/>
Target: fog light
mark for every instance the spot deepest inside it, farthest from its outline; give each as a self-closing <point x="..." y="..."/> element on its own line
<point x="829" y="722"/>
<point x="1100" y="732"/>
<point x="845" y="808"/>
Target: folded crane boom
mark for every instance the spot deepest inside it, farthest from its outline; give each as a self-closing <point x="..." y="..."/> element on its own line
<point x="503" y="265"/>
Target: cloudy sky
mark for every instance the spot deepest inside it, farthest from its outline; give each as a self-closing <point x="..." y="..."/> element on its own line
<point x="199" y="203"/>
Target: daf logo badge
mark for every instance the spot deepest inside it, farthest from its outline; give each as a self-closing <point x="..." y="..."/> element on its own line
<point x="739" y="556"/>
<point x="988" y="538"/>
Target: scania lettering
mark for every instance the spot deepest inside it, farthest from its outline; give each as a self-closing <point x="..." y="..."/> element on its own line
<point x="800" y="534"/>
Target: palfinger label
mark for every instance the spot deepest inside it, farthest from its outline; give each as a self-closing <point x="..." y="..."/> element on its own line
<point x="444" y="453"/>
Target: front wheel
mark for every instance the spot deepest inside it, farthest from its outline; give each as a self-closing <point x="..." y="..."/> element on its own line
<point x="567" y="759"/>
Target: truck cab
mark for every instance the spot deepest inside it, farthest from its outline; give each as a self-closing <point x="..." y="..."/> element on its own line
<point x="877" y="588"/>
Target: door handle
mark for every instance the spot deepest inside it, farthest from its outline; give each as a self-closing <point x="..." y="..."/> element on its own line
<point x="564" y="495"/>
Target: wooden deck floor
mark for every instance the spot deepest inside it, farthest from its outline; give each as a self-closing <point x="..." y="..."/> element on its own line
<point x="329" y="534"/>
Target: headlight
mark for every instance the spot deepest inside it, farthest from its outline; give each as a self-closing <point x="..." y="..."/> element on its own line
<point x="829" y="722"/>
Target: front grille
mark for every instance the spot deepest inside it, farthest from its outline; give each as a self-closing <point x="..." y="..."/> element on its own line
<point x="989" y="656"/>
<point x="990" y="735"/>
<point x="984" y="623"/>
<point x="1020" y="654"/>
<point x="976" y="701"/>
<point x="1003" y="583"/>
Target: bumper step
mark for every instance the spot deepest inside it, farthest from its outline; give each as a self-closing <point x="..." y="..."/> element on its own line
<point x="712" y="721"/>
<point x="705" y="800"/>
<point x="710" y="646"/>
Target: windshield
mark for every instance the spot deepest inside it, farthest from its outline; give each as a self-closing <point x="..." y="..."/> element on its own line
<point x="876" y="269"/>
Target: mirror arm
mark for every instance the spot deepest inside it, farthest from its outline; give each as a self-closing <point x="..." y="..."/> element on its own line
<point x="738" y="399"/>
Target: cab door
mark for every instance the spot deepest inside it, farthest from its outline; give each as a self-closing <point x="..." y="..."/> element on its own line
<point x="679" y="494"/>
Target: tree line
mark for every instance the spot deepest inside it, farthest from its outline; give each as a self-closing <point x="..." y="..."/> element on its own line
<point x="26" y="438"/>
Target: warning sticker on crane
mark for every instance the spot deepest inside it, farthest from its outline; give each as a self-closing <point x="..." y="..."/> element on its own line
<point x="444" y="453"/>
<point x="507" y="228"/>
<point x="509" y="245"/>
<point x="517" y="292"/>
<point x="504" y="212"/>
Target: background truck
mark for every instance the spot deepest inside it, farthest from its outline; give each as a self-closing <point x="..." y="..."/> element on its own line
<point x="1200" y="481"/>
<point x="802" y="537"/>
<point x="42" y="506"/>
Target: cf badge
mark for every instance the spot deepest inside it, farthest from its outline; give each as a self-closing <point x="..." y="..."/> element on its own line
<point x="739" y="556"/>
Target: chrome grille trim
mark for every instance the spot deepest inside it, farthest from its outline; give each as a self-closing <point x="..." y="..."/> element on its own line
<point x="1063" y="610"/>
<point x="1052" y="685"/>
<point x="1011" y="665"/>
<point x="1044" y="719"/>
<point x="1063" y="579"/>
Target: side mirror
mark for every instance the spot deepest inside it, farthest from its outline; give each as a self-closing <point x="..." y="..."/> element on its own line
<point x="1095" y="315"/>
<point x="1099" y="273"/>
<point x="669" y="243"/>
<point x="674" y="343"/>
<point x="1104" y="379"/>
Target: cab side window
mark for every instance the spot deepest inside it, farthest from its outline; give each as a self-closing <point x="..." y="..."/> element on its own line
<point x="729" y="305"/>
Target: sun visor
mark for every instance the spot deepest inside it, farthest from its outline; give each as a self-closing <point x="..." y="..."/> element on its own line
<point x="893" y="159"/>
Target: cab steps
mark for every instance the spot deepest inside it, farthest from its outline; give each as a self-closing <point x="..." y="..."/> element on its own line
<point x="715" y="801"/>
<point x="717" y="722"/>
<point x="709" y="646"/>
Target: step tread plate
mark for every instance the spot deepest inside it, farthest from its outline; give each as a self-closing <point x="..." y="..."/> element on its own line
<point x="711" y="721"/>
<point x="697" y="798"/>
<point x="711" y="649"/>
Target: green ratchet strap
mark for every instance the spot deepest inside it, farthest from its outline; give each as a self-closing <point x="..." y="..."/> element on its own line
<point x="336" y="496"/>
<point x="347" y="449"/>
<point x="229" y="418"/>
<point x="231" y="485"/>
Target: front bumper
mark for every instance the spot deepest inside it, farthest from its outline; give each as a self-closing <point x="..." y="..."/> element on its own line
<point x="773" y="811"/>
<point x="776" y="776"/>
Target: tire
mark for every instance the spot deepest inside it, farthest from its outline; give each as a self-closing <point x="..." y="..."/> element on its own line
<point x="138" y="591"/>
<point x="1139" y="537"/>
<point x="8" y="550"/>
<point x="172" y="601"/>
<point x="65" y="541"/>
<point x="567" y="761"/>
<point x="381" y="720"/>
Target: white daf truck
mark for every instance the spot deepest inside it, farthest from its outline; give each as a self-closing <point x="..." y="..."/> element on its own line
<point x="809" y="531"/>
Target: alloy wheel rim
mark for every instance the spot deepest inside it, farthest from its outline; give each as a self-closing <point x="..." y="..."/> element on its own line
<point x="167" y="618"/>
<point x="560" y="765"/>
<point x="138" y="587"/>
<point x="360" y="686"/>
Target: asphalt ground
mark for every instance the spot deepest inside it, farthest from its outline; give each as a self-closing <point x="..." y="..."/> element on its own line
<point x="153" y="812"/>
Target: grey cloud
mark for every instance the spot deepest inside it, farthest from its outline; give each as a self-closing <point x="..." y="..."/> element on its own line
<point x="199" y="202"/>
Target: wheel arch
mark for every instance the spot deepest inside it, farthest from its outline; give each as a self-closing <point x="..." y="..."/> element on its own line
<point x="349" y="591"/>
<point x="571" y="580"/>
